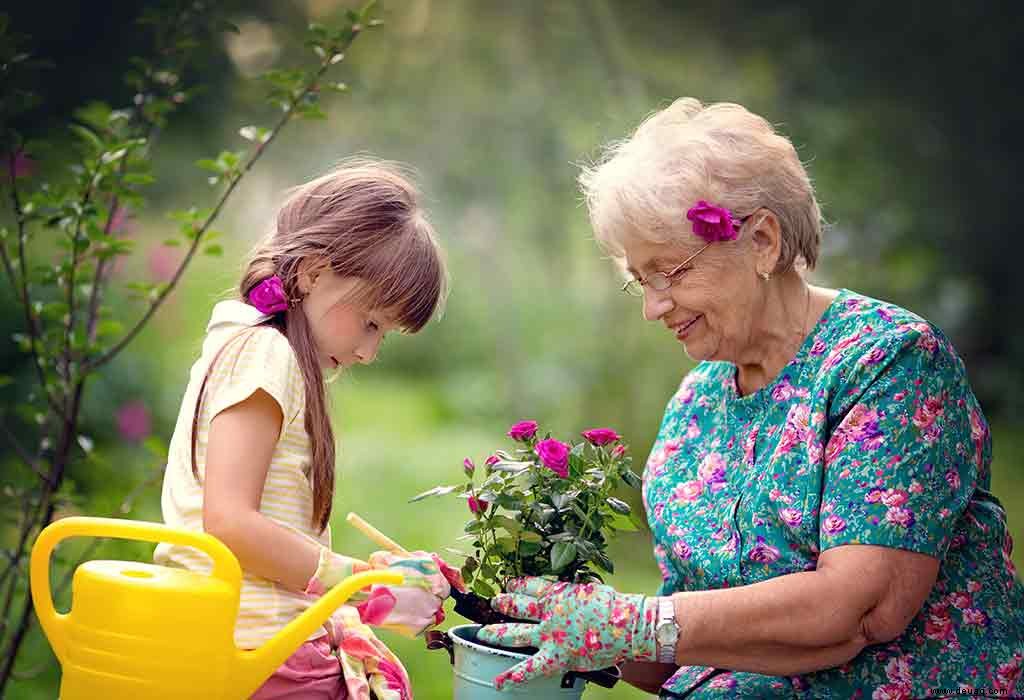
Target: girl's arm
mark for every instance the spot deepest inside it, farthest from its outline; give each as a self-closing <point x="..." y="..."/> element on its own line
<point x="241" y="444"/>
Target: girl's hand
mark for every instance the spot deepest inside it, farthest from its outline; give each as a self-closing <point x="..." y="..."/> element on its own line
<point x="583" y="627"/>
<point x="414" y="606"/>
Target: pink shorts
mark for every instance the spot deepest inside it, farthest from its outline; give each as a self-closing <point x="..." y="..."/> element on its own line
<point x="313" y="672"/>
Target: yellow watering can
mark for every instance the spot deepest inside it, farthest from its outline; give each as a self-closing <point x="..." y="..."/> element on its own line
<point x="155" y="632"/>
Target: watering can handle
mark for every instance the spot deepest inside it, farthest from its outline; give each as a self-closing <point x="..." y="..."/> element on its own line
<point x="225" y="565"/>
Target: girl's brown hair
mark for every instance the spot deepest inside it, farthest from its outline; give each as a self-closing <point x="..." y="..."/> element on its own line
<point x="363" y="219"/>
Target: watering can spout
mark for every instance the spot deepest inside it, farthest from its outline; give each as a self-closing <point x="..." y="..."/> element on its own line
<point x="255" y="666"/>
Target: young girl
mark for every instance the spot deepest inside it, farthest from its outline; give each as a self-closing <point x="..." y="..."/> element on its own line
<point x="251" y="461"/>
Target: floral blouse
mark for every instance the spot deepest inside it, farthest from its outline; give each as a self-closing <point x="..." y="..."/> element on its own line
<point x="871" y="435"/>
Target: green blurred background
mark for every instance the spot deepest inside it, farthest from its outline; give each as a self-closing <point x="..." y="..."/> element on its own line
<point x="908" y="115"/>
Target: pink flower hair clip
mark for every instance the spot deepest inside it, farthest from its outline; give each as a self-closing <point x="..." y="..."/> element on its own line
<point x="713" y="223"/>
<point x="268" y="296"/>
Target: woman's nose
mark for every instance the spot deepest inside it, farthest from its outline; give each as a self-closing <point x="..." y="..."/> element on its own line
<point x="656" y="304"/>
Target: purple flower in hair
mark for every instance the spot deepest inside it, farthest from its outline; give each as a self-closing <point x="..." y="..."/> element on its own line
<point x="713" y="223"/>
<point x="268" y="296"/>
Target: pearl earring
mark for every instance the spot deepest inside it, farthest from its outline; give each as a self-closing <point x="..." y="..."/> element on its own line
<point x="765" y="275"/>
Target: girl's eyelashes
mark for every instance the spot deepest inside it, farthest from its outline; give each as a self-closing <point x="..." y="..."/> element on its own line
<point x="372" y="326"/>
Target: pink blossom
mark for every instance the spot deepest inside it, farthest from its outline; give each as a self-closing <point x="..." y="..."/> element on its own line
<point x="712" y="471"/>
<point x="492" y="460"/>
<point x="763" y="553"/>
<point x="468" y="466"/>
<point x="713" y="223"/>
<point x="618" y="451"/>
<point x="133" y="421"/>
<point x="791" y="516"/>
<point x="833" y="525"/>
<point x="477" y="505"/>
<point x="900" y="516"/>
<point x="688" y="491"/>
<point x="783" y="391"/>
<point x="961" y="600"/>
<point x="523" y="430"/>
<point x="23" y="165"/>
<point x="554" y="455"/>
<point x="927" y="413"/>
<point x="601" y="436"/>
<point x="163" y="262"/>
<point x="938" y="626"/>
<point x="973" y="616"/>
<point x="681" y="550"/>
<point x="269" y="296"/>
<point x="894" y="497"/>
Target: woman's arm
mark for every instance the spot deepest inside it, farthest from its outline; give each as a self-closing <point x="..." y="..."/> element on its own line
<point x="797" y="623"/>
<point x="648" y="677"/>
<point x="241" y="444"/>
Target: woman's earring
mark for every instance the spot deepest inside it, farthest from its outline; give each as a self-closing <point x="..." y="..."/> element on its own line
<point x="765" y="275"/>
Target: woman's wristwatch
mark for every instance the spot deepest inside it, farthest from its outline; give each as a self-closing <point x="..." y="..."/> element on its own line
<point x="666" y="631"/>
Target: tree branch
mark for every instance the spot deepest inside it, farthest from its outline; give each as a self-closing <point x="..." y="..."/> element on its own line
<point x="197" y="240"/>
<point x="26" y="301"/>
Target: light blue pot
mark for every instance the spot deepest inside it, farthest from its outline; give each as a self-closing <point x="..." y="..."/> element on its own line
<point x="476" y="666"/>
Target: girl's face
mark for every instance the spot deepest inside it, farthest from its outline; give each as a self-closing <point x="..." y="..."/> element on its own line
<point x="345" y="332"/>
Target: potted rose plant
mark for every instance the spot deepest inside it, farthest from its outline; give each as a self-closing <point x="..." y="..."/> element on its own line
<point x="542" y="507"/>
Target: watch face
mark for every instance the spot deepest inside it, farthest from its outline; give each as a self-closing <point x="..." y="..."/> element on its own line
<point x="666" y="633"/>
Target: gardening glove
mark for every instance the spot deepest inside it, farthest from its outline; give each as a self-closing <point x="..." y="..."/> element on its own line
<point x="413" y="606"/>
<point x="583" y="627"/>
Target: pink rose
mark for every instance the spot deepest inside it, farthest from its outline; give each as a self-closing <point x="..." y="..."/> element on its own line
<point x="791" y="516"/>
<point x="763" y="553"/>
<point x="492" y="460"/>
<point x="554" y="455"/>
<point x="899" y="516"/>
<point x="618" y="451"/>
<point x="833" y="525"/>
<point x="894" y="497"/>
<point x="713" y="223"/>
<point x="523" y="430"/>
<point x="268" y="296"/>
<point x="477" y="505"/>
<point x="688" y="491"/>
<point x="468" y="466"/>
<point x="601" y="436"/>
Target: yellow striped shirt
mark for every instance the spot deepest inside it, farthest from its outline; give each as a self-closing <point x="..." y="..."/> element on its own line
<point x="258" y="358"/>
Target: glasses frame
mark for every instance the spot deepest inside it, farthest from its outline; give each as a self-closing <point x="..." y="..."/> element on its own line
<point x="635" y="286"/>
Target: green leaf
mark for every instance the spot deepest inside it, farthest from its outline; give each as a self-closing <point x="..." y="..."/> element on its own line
<point x="483" y="589"/>
<point x="562" y="554"/>
<point x="5" y="380"/>
<point x="436" y="491"/>
<point x="617" y="521"/>
<point x="506" y="522"/>
<point x="631" y="479"/>
<point x="474" y="526"/>
<point x="603" y="562"/>
<point x="530" y="536"/>
<point x="214" y="250"/>
<point x="619" y="506"/>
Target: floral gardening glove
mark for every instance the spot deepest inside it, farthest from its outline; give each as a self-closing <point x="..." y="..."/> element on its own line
<point x="415" y="605"/>
<point x="583" y="627"/>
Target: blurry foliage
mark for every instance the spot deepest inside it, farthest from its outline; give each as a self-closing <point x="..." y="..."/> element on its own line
<point x="906" y="114"/>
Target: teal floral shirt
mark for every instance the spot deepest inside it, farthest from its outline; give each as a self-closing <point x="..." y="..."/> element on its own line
<point x="870" y="435"/>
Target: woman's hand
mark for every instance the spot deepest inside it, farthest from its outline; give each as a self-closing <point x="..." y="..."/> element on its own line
<point x="583" y="627"/>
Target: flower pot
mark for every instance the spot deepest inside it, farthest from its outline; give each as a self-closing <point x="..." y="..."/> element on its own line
<point x="476" y="665"/>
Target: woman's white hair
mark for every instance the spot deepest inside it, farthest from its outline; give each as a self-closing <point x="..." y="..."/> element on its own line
<point x="721" y="153"/>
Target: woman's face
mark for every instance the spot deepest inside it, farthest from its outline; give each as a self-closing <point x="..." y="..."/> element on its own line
<point x="712" y="304"/>
<point x="345" y="333"/>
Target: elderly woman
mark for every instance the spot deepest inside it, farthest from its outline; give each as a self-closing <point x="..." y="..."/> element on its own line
<point x="819" y="490"/>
